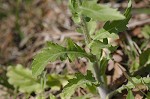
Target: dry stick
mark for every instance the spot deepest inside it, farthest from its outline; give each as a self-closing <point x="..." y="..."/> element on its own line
<point x="138" y="23"/>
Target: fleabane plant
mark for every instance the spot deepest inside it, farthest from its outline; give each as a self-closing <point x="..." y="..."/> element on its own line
<point x="86" y="13"/>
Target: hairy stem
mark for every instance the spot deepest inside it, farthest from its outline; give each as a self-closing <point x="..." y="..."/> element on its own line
<point x="84" y="27"/>
<point x="101" y="89"/>
<point x="111" y="94"/>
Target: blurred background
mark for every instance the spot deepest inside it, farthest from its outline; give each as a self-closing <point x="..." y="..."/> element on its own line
<point x="26" y="26"/>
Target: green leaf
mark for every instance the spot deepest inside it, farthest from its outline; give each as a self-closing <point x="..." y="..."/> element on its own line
<point x="138" y="81"/>
<point x="56" y="81"/>
<point x="99" y="12"/>
<point x="119" y="25"/>
<point x="104" y="63"/>
<point x="77" y="50"/>
<point x="87" y="96"/>
<point x="96" y="47"/>
<point x="102" y="34"/>
<point x="91" y="88"/>
<point x="130" y="95"/>
<point x="91" y="25"/>
<point x="40" y="97"/>
<point x="148" y="95"/>
<point x="73" y="5"/>
<point x="146" y="31"/>
<point x="52" y="96"/>
<point x="79" y="81"/>
<point x="50" y="53"/>
<point x="145" y="57"/>
<point x="22" y="78"/>
<point x="113" y="48"/>
<point x="53" y="52"/>
<point x="111" y="28"/>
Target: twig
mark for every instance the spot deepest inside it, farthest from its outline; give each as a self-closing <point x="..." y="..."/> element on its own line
<point x="138" y="23"/>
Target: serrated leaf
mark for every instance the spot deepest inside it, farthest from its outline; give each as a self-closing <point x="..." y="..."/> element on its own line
<point x="111" y="28"/>
<point x="102" y="34"/>
<point x="80" y="81"/>
<point x="74" y="47"/>
<point x="130" y="95"/>
<point x="96" y="47"/>
<point x="119" y="25"/>
<point x="99" y="12"/>
<point x="50" y="53"/>
<point x="145" y="57"/>
<point x="53" y="52"/>
<point x="22" y="78"/>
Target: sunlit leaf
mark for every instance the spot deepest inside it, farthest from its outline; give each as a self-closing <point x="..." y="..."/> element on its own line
<point x="96" y="47"/>
<point x="50" y="53"/>
<point x="113" y="27"/>
<point x="52" y="96"/>
<point x="22" y="78"/>
<point x="87" y="96"/>
<point x="99" y="12"/>
<point x="130" y="95"/>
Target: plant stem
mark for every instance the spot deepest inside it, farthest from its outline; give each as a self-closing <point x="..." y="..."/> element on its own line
<point x="85" y="30"/>
<point x="101" y="89"/>
<point x="111" y="94"/>
<point x="84" y="27"/>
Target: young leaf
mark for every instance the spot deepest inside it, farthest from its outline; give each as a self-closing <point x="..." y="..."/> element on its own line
<point x="22" y="78"/>
<point x="75" y="48"/>
<point x="96" y="47"/>
<point x="130" y="95"/>
<point x="91" y="25"/>
<point x="73" y="5"/>
<point x="145" y="57"/>
<point x="80" y="81"/>
<point x="99" y="12"/>
<point x="102" y="34"/>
